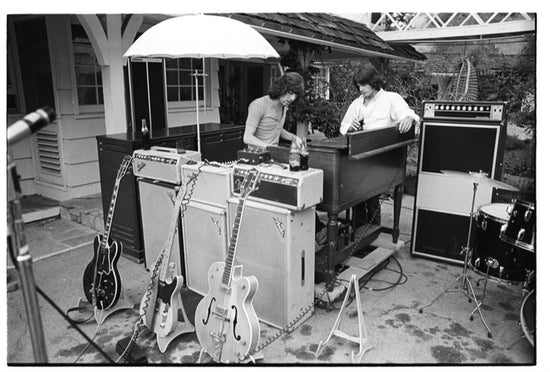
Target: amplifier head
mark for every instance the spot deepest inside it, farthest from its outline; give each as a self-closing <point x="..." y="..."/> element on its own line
<point x="281" y="187"/>
<point x="162" y="163"/>
<point x="464" y="110"/>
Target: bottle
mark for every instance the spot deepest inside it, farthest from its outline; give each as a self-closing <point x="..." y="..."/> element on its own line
<point x="294" y="157"/>
<point x="145" y="136"/>
<point x="304" y="156"/>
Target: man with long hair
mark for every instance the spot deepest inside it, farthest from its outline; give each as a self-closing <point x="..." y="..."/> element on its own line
<point x="266" y="115"/>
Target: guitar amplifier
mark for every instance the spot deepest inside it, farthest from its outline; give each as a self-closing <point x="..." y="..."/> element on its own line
<point x="157" y="202"/>
<point x="205" y="240"/>
<point x="277" y="246"/>
<point x="162" y="163"/>
<point x="281" y="187"/>
<point x="212" y="184"/>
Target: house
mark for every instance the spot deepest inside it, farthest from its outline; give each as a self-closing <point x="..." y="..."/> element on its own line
<point x="73" y="63"/>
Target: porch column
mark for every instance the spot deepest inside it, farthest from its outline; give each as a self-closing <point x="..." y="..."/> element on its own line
<point x="109" y="45"/>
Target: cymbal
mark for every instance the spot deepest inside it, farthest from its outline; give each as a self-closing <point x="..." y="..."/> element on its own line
<point x="481" y="178"/>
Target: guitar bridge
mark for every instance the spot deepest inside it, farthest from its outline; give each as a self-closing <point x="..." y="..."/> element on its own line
<point x="221" y="313"/>
<point x="220" y="338"/>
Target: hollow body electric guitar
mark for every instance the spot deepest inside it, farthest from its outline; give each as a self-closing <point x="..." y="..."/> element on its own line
<point x="101" y="279"/>
<point x="226" y="324"/>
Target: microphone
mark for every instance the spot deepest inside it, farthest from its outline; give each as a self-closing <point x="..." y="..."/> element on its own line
<point x="29" y="124"/>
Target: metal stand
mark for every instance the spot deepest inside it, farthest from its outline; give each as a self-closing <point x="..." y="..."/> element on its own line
<point x="101" y="315"/>
<point x="362" y="339"/>
<point x="466" y="285"/>
<point x="24" y="264"/>
<point x="196" y="76"/>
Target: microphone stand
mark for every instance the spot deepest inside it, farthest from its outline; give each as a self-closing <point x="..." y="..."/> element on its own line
<point x="465" y="286"/>
<point x="17" y="243"/>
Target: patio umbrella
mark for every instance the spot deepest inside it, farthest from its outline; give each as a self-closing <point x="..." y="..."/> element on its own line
<point x="201" y="36"/>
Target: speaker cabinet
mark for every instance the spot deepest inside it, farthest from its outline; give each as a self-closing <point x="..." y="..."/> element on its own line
<point x="276" y="246"/>
<point x="157" y="203"/>
<point x="467" y="137"/>
<point x="205" y="241"/>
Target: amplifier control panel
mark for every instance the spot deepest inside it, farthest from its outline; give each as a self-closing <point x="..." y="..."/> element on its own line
<point x="162" y="163"/>
<point x="482" y="111"/>
<point x="281" y="187"/>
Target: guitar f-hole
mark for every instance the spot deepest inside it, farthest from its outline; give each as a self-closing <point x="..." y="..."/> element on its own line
<point x="303" y="261"/>
<point x="209" y="311"/>
<point x="235" y="335"/>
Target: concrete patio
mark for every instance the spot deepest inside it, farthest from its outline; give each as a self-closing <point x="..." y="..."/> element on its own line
<point x="399" y="335"/>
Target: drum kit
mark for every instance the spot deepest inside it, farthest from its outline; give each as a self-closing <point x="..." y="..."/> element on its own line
<point x="503" y="251"/>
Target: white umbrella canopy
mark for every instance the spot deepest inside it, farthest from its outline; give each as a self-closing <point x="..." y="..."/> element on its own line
<point x="201" y="36"/>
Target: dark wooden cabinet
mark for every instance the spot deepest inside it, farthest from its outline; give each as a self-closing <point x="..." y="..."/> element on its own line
<point x="219" y="142"/>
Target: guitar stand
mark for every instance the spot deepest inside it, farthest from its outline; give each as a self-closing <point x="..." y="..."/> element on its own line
<point x="362" y="339"/>
<point x="101" y="315"/>
<point x="251" y="358"/>
<point x="181" y="328"/>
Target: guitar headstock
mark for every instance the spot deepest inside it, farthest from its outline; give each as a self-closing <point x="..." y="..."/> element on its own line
<point x="250" y="182"/>
<point x="125" y="165"/>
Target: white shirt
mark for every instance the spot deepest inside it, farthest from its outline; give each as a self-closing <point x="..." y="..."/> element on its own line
<point x="385" y="109"/>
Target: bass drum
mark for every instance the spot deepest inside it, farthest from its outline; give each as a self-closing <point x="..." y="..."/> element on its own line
<point x="527" y="317"/>
<point x="490" y="252"/>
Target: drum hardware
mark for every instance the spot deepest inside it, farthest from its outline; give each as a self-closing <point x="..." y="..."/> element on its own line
<point x="465" y="286"/>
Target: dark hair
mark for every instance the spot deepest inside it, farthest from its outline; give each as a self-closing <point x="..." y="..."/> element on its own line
<point x="290" y="82"/>
<point x="367" y="74"/>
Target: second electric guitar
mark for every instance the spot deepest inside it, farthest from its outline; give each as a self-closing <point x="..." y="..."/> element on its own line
<point x="226" y="324"/>
<point x="161" y="308"/>
<point x="101" y="279"/>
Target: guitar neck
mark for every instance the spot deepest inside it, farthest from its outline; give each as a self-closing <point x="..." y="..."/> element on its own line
<point x="167" y="248"/>
<point x="109" y="220"/>
<point x="230" y="259"/>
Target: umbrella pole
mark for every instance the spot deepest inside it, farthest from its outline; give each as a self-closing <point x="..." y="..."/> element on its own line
<point x="197" y="110"/>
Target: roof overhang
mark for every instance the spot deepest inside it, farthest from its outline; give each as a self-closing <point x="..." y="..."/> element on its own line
<point x="335" y="46"/>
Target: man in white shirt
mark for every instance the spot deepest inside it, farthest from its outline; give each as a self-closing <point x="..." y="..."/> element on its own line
<point x="375" y="108"/>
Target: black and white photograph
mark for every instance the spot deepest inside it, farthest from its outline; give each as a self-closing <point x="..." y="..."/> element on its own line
<point x="276" y="185"/>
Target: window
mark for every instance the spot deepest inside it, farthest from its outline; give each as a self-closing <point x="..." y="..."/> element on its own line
<point x="321" y="82"/>
<point x="180" y="82"/>
<point x="88" y="72"/>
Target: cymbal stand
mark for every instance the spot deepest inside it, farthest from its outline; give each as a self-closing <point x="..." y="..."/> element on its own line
<point x="490" y="263"/>
<point x="465" y="286"/>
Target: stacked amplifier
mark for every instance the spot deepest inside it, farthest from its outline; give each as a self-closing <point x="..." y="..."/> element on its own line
<point x="205" y="223"/>
<point x="459" y="137"/>
<point x="277" y="239"/>
<point x="158" y="175"/>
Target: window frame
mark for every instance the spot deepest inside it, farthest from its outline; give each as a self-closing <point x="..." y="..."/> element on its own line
<point x="204" y="85"/>
<point x="82" y="107"/>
